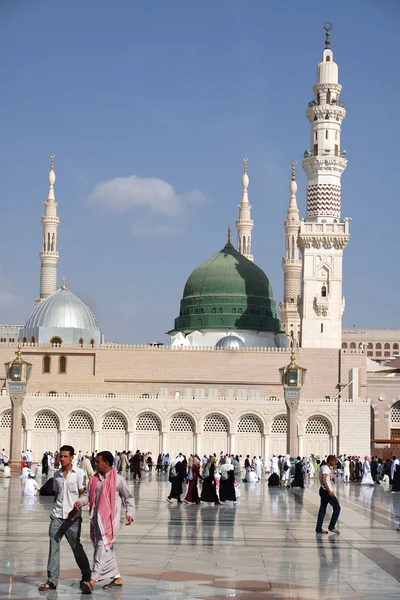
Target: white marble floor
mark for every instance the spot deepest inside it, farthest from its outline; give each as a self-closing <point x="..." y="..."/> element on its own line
<point x="265" y="547"/>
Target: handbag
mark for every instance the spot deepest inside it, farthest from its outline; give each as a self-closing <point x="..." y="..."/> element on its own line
<point x="189" y="475"/>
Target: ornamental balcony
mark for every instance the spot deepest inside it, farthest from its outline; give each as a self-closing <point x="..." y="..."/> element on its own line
<point x="325" y="152"/>
<point x="333" y="102"/>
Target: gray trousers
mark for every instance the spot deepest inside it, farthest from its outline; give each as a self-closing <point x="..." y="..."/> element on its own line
<point x="72" y="531"/>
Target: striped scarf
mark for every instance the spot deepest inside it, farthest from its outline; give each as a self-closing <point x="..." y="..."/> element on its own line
<point x="105" y="507"/>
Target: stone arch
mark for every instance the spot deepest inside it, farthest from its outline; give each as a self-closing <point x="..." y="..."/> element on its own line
<point x="147" y="432"/>
<point x="322" y="414"/>
<point x="249" y="435"/>
<point x="216" y="413"/>
<point x="114" y="420"/>
<point x="114" y="431"/>
<point x="148" y="421"/>
<point x="182" y="427"/>
<point x="79" y="430"/>
<point x="278" y="433"/>
<point x="215" y="432"/>
<point x="46" y="424"/>
<point x="395" y="417"/>
<point x="389" y="408"/>
<point x="183" y="411"/>
<point x="80" y="419"/>
<point x="318" y="434"/>
<point x="31" y="422"/>
<point x="46" y="419"/>
<point x="98" y="421"/>
<point x="5" y="420"/>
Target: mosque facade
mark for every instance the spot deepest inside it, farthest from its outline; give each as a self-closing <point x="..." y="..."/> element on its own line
<point x="217" y="386"/>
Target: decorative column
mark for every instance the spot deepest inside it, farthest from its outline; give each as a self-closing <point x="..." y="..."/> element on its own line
<point x="17" y="393"/>
<point x="61" y="437"/>
<point x="266" y="448"/>
<point x="198" y="443"/>
<point x="334" y="445"/>
<point x="232" y="443"/>
<point x="130" y="441"/>
<point x="18" y="373"/>
<point x="96" y="440"/>
<point x="28" y="441"/>
<point x="301" y="445"/>
<point x="292" y="378"/>
<point x="164" y="442"/>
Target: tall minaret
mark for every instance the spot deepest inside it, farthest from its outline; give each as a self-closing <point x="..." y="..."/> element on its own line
<point x="244" y="224"/>
<point x="49" y="254"/>
<point x="291" y="265"/>
<point x="323" y="235"/>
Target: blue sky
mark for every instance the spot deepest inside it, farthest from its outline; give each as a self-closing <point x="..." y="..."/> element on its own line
<point x="172" y="95"/>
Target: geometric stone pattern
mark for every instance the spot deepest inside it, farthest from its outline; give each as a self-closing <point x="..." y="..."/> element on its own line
<point x="46" y="419"/>
<point x="80" y="420"/>
<point x="216" y="423"/>
<point x="279" y="425"/>
<point x="323" y="200"/>
<point x="181" y="422"/>
<point x="5" y="420"/>
<point x="249" y="424"/>
<point x="114" y="421"/>
<point x="148" y="422"/>
<point x="318" y="425"/>
<point x="395" y="413"/>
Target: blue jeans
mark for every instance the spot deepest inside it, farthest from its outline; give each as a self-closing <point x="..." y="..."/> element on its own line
<point x="325" y="500"/>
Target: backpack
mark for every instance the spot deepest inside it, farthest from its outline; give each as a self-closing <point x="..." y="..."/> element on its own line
<point x="285" y="467"/>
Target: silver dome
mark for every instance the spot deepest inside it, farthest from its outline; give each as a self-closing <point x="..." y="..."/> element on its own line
<point x="233" y="342"/>
<point x="62" y="315"/>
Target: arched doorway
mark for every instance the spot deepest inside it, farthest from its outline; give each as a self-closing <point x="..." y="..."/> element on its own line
<point x="395" y="421"/>
<point x="181" y="437"/>
<point x="45" y="433"/>
<point x="317" y="437"/>
<point x="79" y="434"/>
<point x="5" y="432"/>
<point x="215" y="435"/>
<point x="114" y="432"/>
<point x="249" y="436"/>
<point x="279" y="435"/>
<point x="147" y="434"/>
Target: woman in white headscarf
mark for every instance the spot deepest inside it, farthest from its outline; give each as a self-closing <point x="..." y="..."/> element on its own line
<point x="286" y="466"/>
<point x="176" y="477"/>
<point x="227" y="482"/>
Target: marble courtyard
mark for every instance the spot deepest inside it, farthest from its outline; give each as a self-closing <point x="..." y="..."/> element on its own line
<point x="265" y="547"/>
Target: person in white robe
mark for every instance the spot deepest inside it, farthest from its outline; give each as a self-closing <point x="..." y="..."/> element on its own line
<point x="38" y="471"/>
<point x="31" y="487"/>
<point x="86" y="466"/>
<point x="106" y="493"/>
<point x="258" y="467"/>
<point x="367" y="477"/>
<point x="252" y="476"/>
<point x="274" y="464"/>
<point x="286" y="466"/>
<point x="346" y="470"/>
<point x="311" y="469"/>
<point x="25" y="473"/>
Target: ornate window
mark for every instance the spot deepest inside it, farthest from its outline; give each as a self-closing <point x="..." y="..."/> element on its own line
<point x="181" y="422"/>
<point x="56" y="340"/>
<point x="216" y="423"/>
<point x="395" y="413"/>
<point x="370" y="346"/>
<point x="46" y="419"/>
<point x="387" y="346"/>
<point x="378" y="346"/>
<point x="62" y="364"/>
<point x="80" y="420"/>
<point x="148" y="422"/>
<point x="279" y="424"/>
<point x="317" y="425"/>
<point x="46" y="364"/>
<point x="353" y="345"/>
<point x="344" y="345"/>
<point x="249" y="424"/>
<point x="5" y="420"/>
<point x="114" y="421"/>
<point x="395" y="346"/>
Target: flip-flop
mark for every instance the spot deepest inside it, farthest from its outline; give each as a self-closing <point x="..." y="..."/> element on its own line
<point x="322" y="531"/>
<point x="45" y="587"/>
<point x="112" y="585"/>
<point x="335" y="531"/>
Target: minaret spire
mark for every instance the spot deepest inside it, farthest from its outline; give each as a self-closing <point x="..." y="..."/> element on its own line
<point x="323" y="234"/>
<point x="49" y="254"/>
<point x="291" y="266"/>
<point x="244" y="224"/>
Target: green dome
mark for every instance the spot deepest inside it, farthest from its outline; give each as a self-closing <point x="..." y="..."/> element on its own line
<point x="227" y="292"/>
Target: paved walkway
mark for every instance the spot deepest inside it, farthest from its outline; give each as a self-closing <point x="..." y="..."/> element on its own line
<point x="263" y="548"/>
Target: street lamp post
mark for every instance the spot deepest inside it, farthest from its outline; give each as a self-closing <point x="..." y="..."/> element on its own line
<point x="18" y="373"/>
<point x="292" y="378"/>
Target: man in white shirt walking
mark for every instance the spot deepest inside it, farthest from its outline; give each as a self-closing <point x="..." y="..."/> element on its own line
<point x="327" y="496"/>
<point x="69" y="485"/>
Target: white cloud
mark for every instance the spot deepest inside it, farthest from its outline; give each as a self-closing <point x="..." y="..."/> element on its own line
<point x="162" y="209"/>
<point x="123" y="193"/>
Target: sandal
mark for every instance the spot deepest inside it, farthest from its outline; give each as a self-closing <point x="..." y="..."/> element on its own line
<point x="86" y="587"/>
<point x="44" y="587"/>
<point x="335" y="531"/>
<point x="111" y="585"/>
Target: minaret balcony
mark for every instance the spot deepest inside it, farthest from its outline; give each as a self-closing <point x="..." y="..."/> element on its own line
<point x="329" y="152"/>
<point x="333" y="102"/>
<point x="321" y="305"/>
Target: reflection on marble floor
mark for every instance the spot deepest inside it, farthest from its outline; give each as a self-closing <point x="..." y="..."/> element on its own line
<point x="265" y="547"/>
